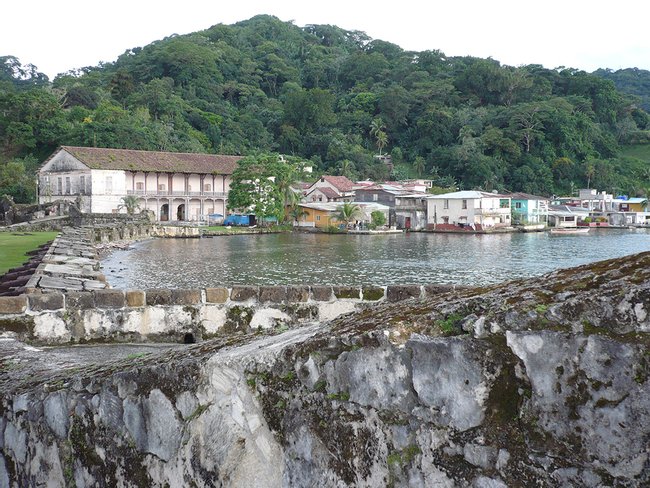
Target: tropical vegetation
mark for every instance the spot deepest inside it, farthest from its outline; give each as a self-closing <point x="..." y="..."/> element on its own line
<point x="336" y="98"/>
<point x="261" y="185"/>
<point x="347" y="212"/>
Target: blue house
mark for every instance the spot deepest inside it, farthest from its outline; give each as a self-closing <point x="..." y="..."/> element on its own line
<point x="529" y="209"/>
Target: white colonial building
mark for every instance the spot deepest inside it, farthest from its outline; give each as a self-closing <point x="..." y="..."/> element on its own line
<point x="475" y="210"/>
<point x="175" y="186"/>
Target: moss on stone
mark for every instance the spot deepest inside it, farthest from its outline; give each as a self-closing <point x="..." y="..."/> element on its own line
<point x="238" y="319"/>
<point x="373" y="293"/>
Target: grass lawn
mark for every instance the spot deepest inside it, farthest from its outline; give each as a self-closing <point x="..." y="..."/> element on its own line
<point x="14" y="245"/>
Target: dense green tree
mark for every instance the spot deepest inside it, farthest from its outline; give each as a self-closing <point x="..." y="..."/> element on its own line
<point x="16" y="182"/>
<point x="261" y="185"/>
<point x="267" y="85"/>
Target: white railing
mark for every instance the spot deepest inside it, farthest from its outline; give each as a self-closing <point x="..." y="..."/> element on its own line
<point x="165" y="193"/>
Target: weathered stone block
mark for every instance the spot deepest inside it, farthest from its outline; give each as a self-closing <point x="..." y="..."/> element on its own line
<point x="397" y="293"/>
<point x="46" y="301"/>
<point x="109" y="298"/>
<point x="243" y="293"/>
<point x="13" y="304"/>
<point x="273" y="294"/>
<point x="135" y="298"/>
<point x="216" y="295"/>
<point x="67" y="284"/>
<point x="435" y="290"/>
<point x="297" y="294"/>
<point x="321" y="293"/>
<point x="346" y="292"/>
<point x="159" y="296"/>
<point x="373" y="293"/>
<point x="21" y="324"/>
<point x="186" y="297"/>
<point x="90" y="285"/>
<point x="80" y="300"/>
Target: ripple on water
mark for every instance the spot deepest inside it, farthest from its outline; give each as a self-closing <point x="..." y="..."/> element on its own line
<point x="355" y="260"/>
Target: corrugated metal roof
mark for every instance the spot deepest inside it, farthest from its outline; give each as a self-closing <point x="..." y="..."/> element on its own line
<point x="526" y="196"/>
<point x="468" y="195"/>
<point x="334" y="206"/>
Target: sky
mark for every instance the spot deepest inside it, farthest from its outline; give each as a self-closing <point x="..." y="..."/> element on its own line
<point x="58" y="36"/>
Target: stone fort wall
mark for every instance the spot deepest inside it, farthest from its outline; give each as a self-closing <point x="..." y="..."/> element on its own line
<point x="68" y="300"/>
<point x="167" y="315"/>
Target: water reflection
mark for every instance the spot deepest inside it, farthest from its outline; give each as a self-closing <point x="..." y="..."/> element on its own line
<point x="357" y="259"/>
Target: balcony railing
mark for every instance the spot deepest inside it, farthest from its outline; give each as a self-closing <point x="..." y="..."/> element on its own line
<point x="492" y="211"/>
<point x="166" y="194"/>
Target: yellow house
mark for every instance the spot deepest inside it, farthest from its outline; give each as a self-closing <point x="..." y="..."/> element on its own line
<point x="319" y="215"/>
<point x="630" y="205"/>
<point x="323" y="214"/>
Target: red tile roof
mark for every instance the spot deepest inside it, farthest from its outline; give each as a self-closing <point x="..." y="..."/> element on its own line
<point x="329" y="192"/>
<point x="341" y="183"/>
<point x="163" y="162"/>
<point x="325" y="190"/>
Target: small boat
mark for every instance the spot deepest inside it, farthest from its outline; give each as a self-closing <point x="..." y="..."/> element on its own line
<point x="561" y="231"/>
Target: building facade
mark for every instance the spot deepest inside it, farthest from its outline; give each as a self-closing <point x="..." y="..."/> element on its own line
<point x="475" y="210"/>
<point x="323" y="214"/>
<point x="529" y="209"/>
<point x="174" y="186"/>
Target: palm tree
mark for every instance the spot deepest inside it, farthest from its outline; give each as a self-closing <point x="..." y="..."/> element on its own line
<point x="377" y="129"/>
<point x="348" y="212"/>
<point x="419" y="166"/>
<point x="647" y="199"/>
<point x="382" y="140"/>
<point x="590" y="171"/>
<point x="297" y="213"/>
<point x="377" y="125"/>
<point x="345" y="167"/>
<point x="130" y="203"/>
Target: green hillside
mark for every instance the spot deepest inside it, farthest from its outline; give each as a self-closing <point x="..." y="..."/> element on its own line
<point x="639" y="151"/>
<point x="337" y="98"/>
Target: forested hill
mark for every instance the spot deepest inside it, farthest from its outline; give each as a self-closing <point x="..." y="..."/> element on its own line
<point x="336" y="97"/>
<point x="632" y="81"/>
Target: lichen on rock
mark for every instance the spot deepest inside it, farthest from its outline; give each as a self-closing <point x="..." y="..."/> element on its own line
<point x="539" y="382"/>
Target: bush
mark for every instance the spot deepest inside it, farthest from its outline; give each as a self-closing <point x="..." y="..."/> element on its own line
<point x="378" y="218"/>
<point x="333" y="229"/>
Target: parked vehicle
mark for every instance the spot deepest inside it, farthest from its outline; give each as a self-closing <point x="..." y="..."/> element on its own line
<point x="239" y="220"/>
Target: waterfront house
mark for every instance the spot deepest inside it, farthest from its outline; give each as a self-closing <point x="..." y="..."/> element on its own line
<point x="626" y="211"/>
<point x="633" y="204"/>
<point x="322" y="215"/>
<point x="383" y="194"/>
<point x="330" y="189"/>
<point x="411" y="211"/>
<point x="407" y="209"/>
<point x="529" y="209"/>
<point x="566" y="215"/>
<point x="174" y="186"/>
<point x="468" y="210"/>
